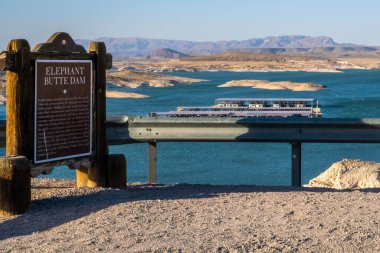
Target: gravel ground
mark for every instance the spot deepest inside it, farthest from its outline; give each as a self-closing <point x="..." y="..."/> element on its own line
<point x="193" y="218"/>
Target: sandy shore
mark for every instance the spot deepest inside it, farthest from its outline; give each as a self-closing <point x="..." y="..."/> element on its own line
<point x="193" y="218"/>
<point x="264" y="84"/>
<point x="120" y="94"/>
<point x="133" y="79"/>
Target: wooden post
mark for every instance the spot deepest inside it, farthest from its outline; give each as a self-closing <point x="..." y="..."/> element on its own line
<point x="152" y="162"/>
<point x="97" y="175"/>
<point x="20" y="97"/>
<point x="15" y="189"/>
<point x="82" y="175"/>
<point x="117" y="171"/>
<point x="15" y="185"/>
<point x="296" y="164"/>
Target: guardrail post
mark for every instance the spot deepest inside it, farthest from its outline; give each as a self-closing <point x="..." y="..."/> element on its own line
<point x="152" y="162"/>
<point x="296" y="163"/>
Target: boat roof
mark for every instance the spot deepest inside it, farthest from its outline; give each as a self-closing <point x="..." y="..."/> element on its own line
<point x="267" y="99"/>
<point x="235" y="113"/>
<point x="242" y="107"/>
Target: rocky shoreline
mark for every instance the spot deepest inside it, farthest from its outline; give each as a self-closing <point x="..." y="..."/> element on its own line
<point x="133" y="79"/>
<point x="264" y="65"/>
<point x="284" y="85"/>
<point x="121" y="94"/>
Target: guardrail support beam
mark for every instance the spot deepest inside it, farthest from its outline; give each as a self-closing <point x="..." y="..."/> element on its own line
<point x="296" y="164"/>
<point x="152" y="162"/>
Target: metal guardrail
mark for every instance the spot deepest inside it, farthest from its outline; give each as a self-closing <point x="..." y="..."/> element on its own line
<point x="128" y="129"/>
<point x="124" y="129"/>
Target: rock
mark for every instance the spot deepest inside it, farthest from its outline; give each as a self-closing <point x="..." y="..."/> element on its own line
<point x="349" y="174"/>
<point x="127" y="68"/>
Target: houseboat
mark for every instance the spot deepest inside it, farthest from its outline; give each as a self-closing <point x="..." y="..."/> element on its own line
<point x="250" y="107"/>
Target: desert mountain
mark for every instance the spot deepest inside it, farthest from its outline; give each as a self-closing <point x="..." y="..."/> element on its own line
<point x="140" y="47"/>
<point x="166" y="53"/>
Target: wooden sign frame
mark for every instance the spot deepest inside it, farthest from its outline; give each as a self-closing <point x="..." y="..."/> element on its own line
<point x="19" y="62"/>
<point x="21" y="91"/>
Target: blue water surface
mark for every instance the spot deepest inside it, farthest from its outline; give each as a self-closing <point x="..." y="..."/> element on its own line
<point x="352" y="94"/>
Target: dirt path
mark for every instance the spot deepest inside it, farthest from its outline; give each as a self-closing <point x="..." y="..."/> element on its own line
<point x="193" y="218"/>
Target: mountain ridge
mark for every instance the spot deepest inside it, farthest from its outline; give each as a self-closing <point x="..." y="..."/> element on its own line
<point x="141" y="47"/>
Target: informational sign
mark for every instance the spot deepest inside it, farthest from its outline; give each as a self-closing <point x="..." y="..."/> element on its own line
<point x="63" y="109"/>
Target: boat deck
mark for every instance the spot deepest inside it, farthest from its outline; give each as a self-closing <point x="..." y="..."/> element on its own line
<point x="229" y="113"/>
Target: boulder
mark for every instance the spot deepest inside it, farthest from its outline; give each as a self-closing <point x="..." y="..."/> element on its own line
<point x="349" y="174"/>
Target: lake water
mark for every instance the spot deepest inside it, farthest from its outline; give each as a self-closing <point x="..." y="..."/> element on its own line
<point x="353" y="94"/>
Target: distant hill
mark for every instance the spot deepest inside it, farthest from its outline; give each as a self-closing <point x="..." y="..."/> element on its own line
<point x="337" y="52"/>
<point x="166" y="53"/>
<point x="140" y="47"/>
<point x="251" y="56"/>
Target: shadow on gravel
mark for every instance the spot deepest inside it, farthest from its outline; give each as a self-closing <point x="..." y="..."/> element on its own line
<point x="52" y="212"/>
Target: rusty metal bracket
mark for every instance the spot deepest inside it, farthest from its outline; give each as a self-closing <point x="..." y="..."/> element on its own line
<point x="8" y="61"/>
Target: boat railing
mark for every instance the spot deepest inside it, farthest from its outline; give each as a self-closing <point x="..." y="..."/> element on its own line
<point x="206" y="108"/>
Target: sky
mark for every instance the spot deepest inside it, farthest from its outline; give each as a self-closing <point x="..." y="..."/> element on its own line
<point x="346" y="21"/>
